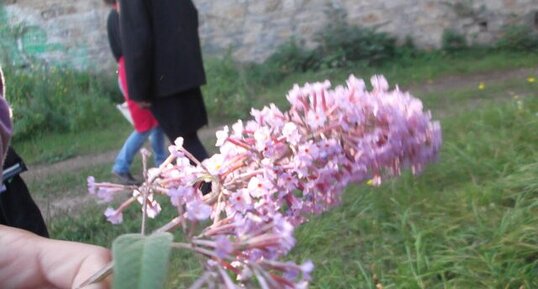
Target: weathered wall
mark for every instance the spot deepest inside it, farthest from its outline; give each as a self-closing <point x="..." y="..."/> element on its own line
<point x="73" y="31"/>
<point x="255" y="28"/>
<point x="56" y="31"/>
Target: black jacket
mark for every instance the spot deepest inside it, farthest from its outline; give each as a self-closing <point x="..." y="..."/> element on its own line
<point x="113" y="32"/>
<point x="17" y="208"/>
<point x="161" y="47"/>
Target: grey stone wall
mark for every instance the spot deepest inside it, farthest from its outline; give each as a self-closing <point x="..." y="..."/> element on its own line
<point x="73" y="31"/>
<point x="253" y="29"/>
<point x="55" y="31"/>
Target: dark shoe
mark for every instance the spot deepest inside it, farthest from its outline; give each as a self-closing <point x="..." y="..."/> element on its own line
<point x="126" y="179"/>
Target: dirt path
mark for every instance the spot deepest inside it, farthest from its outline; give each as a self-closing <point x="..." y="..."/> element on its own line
<point x="74" y="200"/>
<point x="469" y="81"/>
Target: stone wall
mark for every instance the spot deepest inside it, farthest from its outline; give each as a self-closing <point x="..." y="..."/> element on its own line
<point x="73" y="31"/>
<point x="55" y="31"/>
<point x="253" y="29"/>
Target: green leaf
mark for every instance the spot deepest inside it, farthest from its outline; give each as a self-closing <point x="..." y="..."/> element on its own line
<point x="141" y="262"/>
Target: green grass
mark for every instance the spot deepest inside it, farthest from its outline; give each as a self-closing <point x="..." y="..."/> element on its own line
<point x="68" y="184"/>
<point x="54" y="147"/>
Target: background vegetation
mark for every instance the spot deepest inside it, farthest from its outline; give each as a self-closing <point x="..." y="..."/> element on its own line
<point x="468" y="222"/>
<point x="52" y="99"/>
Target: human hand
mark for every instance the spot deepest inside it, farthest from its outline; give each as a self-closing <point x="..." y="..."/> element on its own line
<point x="30" y="261"/>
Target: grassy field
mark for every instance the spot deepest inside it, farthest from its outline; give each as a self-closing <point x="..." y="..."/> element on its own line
<point x="469" y="221"/>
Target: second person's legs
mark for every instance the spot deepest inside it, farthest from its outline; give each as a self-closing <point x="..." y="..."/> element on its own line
<point x="156" y="138"/>
<point x="130" y="148"/>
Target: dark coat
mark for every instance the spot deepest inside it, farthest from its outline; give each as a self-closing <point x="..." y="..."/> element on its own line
<point x="17" y="208"/>
<point x="113" y="32"/>
<point x="161" y="47"/>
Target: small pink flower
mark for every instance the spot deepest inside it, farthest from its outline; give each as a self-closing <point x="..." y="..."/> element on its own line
<point x="262" y="137"/>
<point x="259" y="187"/>
<point x="357" y="85"/>
<point x="284" y="229"/>
<point x="106" y="194"/>
<point x="237" y="129"/>
<point x="175" y="152"/>
<point x="307" y="268"/>
<point x="113" y="216"/>
<point x="92" y="188"/>
<point x="222" y="136"/>
<point x="294" y="94"/>
<point x="223" y="247"/>
<point x="292" y="271"/>
<point x="179" y="142"/>
<point x="291" y="133"/>
<point x="153" y="208"/>
<point x="286" y="183"/>
<point x="198" y="210"/>
<point x="180" y="195"/>
<point x="379" y="83"/>
<point x="241" y="201"/>
<point x="316" y="118"/>
<point x="215" y="164"/>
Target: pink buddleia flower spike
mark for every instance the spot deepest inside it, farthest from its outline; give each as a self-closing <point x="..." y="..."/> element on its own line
<point x="275" y="170"/>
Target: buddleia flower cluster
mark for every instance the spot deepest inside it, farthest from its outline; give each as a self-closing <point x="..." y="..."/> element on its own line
<point x="275" y="170"/>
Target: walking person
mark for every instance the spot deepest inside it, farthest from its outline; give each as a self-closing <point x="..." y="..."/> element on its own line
<point x="164" y="66"/>
<point x="145" y="125"/>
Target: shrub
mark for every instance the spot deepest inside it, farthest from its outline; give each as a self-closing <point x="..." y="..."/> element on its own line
<point x="225" y="94"/>
<point x="288" y="58"/>
<point x="51" y="99"/>
<point x="453" y="41"/>
<point x="518" y="37"/>
<point x="341" y="44"/>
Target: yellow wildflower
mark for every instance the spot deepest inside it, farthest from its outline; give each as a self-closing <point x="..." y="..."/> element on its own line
<point x="481" y="86"/>
<point x="531" y="79"/>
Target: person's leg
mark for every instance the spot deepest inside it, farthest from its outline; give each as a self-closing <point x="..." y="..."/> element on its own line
<point x="127" y="153"/>
<point x="192" y="144"/>
<point x="157" y="144"/>
<point x="180" y="114"/>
